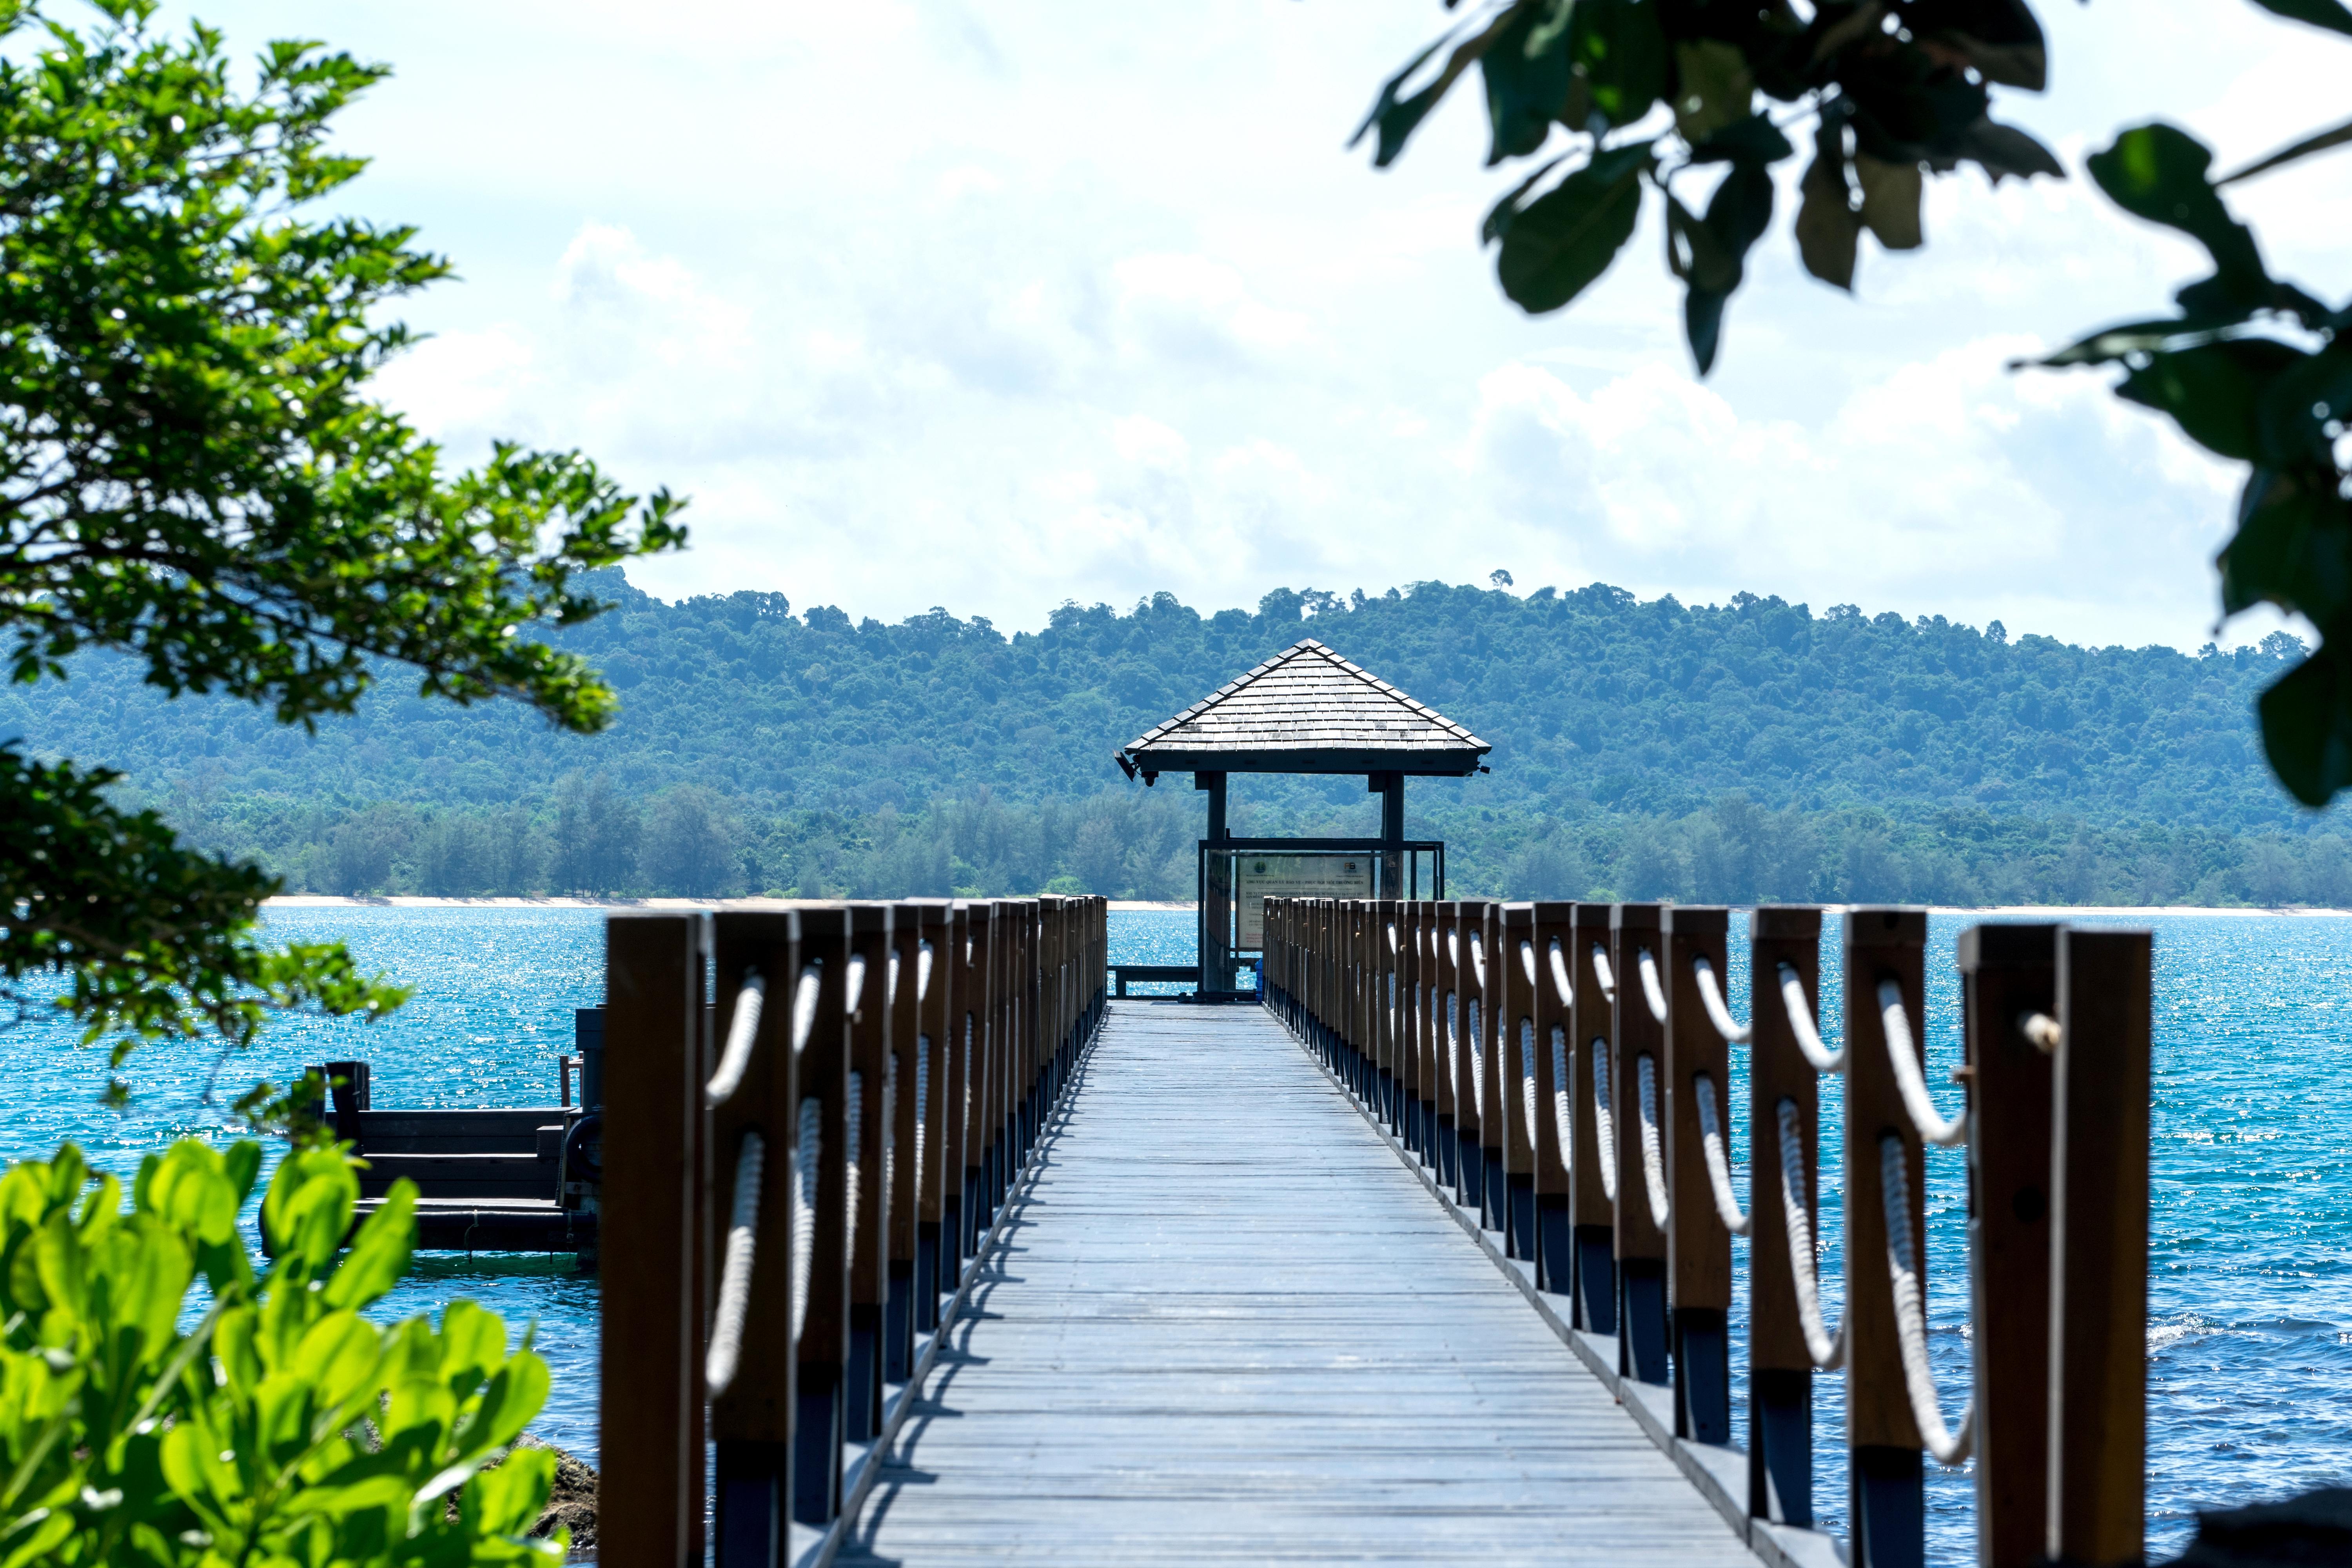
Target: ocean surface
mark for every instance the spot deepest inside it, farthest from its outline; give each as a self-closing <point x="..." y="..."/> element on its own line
<point x="2250" y="1340"/>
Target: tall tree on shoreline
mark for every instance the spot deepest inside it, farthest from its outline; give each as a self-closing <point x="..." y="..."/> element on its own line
<point x="1654" y="95"/>
<point x="192" y="471"/>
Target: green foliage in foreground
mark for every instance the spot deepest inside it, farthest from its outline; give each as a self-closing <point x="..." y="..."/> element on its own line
<point x="191" y="474"/>
<point x="282" y="1429"/>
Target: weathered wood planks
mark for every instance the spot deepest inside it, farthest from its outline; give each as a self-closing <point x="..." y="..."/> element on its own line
<point x="1229" y="1327"/>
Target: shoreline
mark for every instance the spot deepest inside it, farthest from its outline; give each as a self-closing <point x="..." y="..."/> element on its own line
<point x="2002" y="912"/>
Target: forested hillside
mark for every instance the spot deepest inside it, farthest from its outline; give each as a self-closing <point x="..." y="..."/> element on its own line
<point x="1735" y="752"/>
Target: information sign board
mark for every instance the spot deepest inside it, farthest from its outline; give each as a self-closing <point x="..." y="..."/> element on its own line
<point x="1263" y="874"/>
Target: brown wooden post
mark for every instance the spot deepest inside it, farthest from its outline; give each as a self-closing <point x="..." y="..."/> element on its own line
<point x="1429" y="1042"/>
<point x="1883" y="1441"/>
<point x="909" y="1072"/>
<point x="1698" y="1244"/>
<point x="1411" y="1060"/>
<point x="751" y="1420"/>
<point x="2008" y="971"/>
<point x="1385" y="937"/>
<point x="1551" y="938"/>
<point x="937" y="1164"/>
<point x="649" y="1419"/>
<point x="957" y="992"/>
<point x="1512" y="967"/>
<point x="1482" y="942"/>
<point x="987" y="965"/>
<point x="1635" y="1033"/>
<point x="819" y="1422"/>
<point x="1781" y="1367"/>
<point x="869" y="1246"/>
<point x="2098" y="1300"/>
<point x="1594" y="1161"/>
<point x="1454" y="1114"/>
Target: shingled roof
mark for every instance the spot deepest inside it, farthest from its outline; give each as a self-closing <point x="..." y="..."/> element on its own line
<point x="1306" y="711"/>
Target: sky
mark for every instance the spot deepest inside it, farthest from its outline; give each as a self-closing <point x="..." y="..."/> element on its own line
<point x="993" y="308"/>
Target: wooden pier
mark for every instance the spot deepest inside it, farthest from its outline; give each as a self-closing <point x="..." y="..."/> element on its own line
<point x="950" y="1257"/>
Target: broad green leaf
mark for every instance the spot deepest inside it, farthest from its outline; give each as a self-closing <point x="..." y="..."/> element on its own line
<point x="1890" y="200"/>
<point x="1713" y="88"/>
<point x="473" y="1344"/>
<point x="507" y="1499"/>
<point x="2292" y="550"/>
<point x="2001" y="150"/>
<point x="1526" y="71"/>
<point x="307" y="1209"/>
<point x="2157" y="172"/>
<point x="2329" y="14"/>
<point x="1619" y="48"/>
<point x="1499" y="216"/>
<point x="2301" y="402"/>
<point x="2213" y="392"/>
<point x="1752" y="139"/>
<point x="514" y="1396"/>
<point x="379" y="1254"/>
<point x="339" y="1357"/>
<point x="1564" y="240"/>
<point x="1396" y="118"/>
<point x="2307" y="727"/>
<point x="1829" y="231"/>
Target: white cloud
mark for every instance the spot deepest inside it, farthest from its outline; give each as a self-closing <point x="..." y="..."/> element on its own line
<point x="991" y="308"/>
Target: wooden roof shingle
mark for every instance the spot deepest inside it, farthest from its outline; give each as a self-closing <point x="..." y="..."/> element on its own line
<point x="1307" y="711"/>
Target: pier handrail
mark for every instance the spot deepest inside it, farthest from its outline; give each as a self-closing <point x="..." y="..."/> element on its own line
<point x="2057" y="1250"/>
<point x="792" y="1346"/>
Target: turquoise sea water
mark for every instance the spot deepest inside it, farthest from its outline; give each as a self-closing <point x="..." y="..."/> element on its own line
<point x="2250" y="1375"/>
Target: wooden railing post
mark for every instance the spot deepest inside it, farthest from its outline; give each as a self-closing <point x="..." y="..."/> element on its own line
<point x="1512" y="967"/>
<point x="751" y="1420"/>
<point x="1552" y="1014"/>
<point x="2098" y="1300"/>
<point x="959" y="995"/>
<point x="932" y="929"/>
<point x="1781" y="1367"/>
<point x="819" y="1420"/>
<point x="1411" y="1060"/>
<point x="869" y="1248"/>
<point x="1457" y="1135"/>
<point x="1698" y="1245"/>
<point x="1592" y="1038"/>
<point x="2009" y="971"/>
<point x="1883" y="1440"/>
<point x="1386" y="1031"/>
<point x="907" y="1065"/>
<point x="1481" y="1048"/>
<point x="649" y="1419"/>
<point x="1643" y="1332"/>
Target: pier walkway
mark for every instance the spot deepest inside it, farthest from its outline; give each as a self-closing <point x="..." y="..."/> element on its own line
<point x="1250" y="1333"/>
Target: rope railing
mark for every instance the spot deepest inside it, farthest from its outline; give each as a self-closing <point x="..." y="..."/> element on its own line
<point x="1801" y="1024"/>
<point x="735" y="1273"/>
<point x="1604" y="1120"/>
<point x="1663" y="1293"/>
<point x="1719" y="1168"/>
<point x="1911" y="1316"/>
<point x="1903" y="1050"/>
<point x="1652" y="994"/>
<point x="1827" y="1350"/>
<point x="742" y="1029"/>
<point x="808" y="1158"/>
<point x="804" y="999"/>
<point x="1710" y="996"/>
<point x="1653" y="1164"/>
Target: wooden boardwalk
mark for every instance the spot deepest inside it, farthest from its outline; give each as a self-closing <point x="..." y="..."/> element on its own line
<point x="1229" y="1326"/>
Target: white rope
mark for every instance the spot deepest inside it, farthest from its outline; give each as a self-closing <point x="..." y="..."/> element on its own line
<point x="804" y="1004"/>
<point x="1528" y="1074"/>
<point x="923" y="971"/>
<point x="1653" y="1160"/>
<point x="741" y="1031"/>
<point x="854" y="1103"/>
<point x="1528" y="959"/>
<point x="1801" y="1024"/>
<point x="1478" y="1063"/>
<point x="891" y="981"/>
<point x="1604" y="1120"/>
<point x="808" y="1154"/>
<point x="1827" y="1350"/>
<point x="1719" y="1168"/>
<point x="1478" y="958"/>
<point x="922" y="1103"/>
<point x="890" y="1144"/>
<point x="1453" y="1040"/>
<point x="1563" y="1106"/>
<point x="2041" y="1031"/>
<point x="1710" y="996"/>
<point x="1905" y="1053"/>
<point x="735" y="1275"/>
<point x="1392" y="936"/>
<point x="853" y="984"/>
<point x="1652" y="992"/>
<point x="1603" y="976"/>
<point x="1911" y="1316"/>
<point x="1559" y="980"/>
